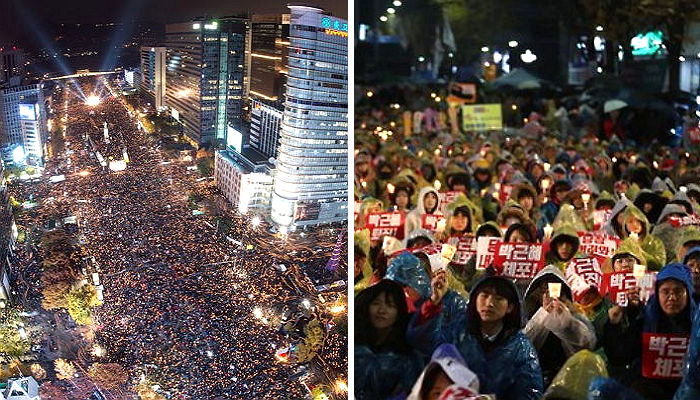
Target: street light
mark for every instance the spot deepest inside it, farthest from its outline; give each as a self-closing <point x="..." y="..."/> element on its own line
<point x="397" y="3"/>
<point x="92" y="101"/>
<point x="390" y="10"/>
<point x="513" y="43"/>
<point x="485" y="49"/>
<point x="528" y="56"/>
<point x="383" y="18"/>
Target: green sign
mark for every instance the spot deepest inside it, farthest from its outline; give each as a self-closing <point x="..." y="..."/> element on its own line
<point x="646" y="44"/>
<point x="331" y="23"/>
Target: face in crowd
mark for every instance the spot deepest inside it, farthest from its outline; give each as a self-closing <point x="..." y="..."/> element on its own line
<point x="673" y="297"/>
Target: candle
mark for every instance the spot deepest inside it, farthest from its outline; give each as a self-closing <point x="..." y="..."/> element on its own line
<point x="554" y="289"/>
<point x="437" y="184"/>
<point x="639" y="271"/>
<point x="545" y="184"/>
<point x="586" y="197"/>
<point x="548" y="231"/>
<point x="634" y="236"/>
<point x="448" y="251"/>
<point x="390" y="188"/>
<point x="547" y="166"/>
<point x="441" y="225"/>
<point x="364" y="185"/>
<point x="437" y="152"/>
<point x="497" y="186"/>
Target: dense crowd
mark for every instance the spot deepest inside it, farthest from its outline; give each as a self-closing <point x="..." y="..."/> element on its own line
<point x="178" y="297"/>
<point x="557" y="258"/>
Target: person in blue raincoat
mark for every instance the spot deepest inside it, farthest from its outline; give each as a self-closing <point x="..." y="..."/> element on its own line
<point x="385" y="365"/>
<point x="669" y="311"/>
<point x="490" y="341"/>
<point x="690" y="386"/>
<point x="414" y="272"/>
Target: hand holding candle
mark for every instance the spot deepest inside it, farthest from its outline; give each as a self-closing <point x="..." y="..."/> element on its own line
<point x="548" y="231"/>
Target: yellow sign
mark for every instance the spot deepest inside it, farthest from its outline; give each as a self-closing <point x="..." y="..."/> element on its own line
<point x="482" y="117"/>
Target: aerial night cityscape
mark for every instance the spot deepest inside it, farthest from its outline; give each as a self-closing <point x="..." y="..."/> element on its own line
<point x="174" y="200"/>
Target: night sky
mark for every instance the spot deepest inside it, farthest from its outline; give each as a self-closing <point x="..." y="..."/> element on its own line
<point x="17" y="16"/>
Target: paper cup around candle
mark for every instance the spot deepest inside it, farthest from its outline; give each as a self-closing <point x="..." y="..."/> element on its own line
<point x="554" y="289"/>
<point x="441" y="225"/>
<point x="390" y="188"/>
<point x="634" y="236"/>
<point x="448" y="251"/>
<point x="639" y="271"/>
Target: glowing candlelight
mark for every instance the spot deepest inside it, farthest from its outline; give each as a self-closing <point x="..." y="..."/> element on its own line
<point x="548" y="231"/>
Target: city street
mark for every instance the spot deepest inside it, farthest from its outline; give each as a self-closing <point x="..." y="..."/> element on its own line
<point x="178" y="296"/>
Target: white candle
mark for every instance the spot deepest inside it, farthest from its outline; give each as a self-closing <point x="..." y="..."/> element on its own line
<point x="554" y="289"/>
<point x="441" y="225"/>
<point x="548" y="231"/>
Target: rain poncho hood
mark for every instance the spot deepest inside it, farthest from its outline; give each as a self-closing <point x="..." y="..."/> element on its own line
<point x="362" y="240"/>
<point x="620" y="206"/>
<point x="609" y="389"/>
<point x="672" y="209"/>
<point x="653" y="311"/>
<point x="418" y="233"/>
<point x="569" y="218"/>
<point x="406" y="269"/>
<point x="549" y="273"/>
<point x="605" y="198"/>
<point x="461" y="202"/>
<point x="574" y="378"/>
<point x="690" y="253"/>
<point x="631" y="247"/>
<point x="447" y="358"/>
<point x="420" y="204"/>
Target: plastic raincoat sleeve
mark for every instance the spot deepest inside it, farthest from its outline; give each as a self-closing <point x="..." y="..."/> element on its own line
<point x="690" y="386"/>
<point x="381" y="375"/>
<point x="574" y="333"/>
<point x="609" y="389"/>
<point x="654" y="252"/>
<point x="526" y="370"/>
<point x="575" y="376"/>
<point x="426" y="337"/>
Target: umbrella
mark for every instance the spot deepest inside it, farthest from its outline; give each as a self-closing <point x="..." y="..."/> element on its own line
<point x="614" y="104"/>
<point x="519" y="79"/>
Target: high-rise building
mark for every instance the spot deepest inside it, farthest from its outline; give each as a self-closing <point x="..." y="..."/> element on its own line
<point x="8" y="231"/>
<point x="311" y="175"/>
<point x="268" y="75"/>
<point x="153" y="81"/>
<point x="12" y="62"/>
<point x="245" y="178"/>
<point x="206" y="75"/>
<point x="23" y="122"/>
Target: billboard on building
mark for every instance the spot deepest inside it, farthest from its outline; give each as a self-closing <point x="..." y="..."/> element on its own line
<point x="27" y="112"/>
<point x="307" y="211"/>
<point x="234" y="139"/>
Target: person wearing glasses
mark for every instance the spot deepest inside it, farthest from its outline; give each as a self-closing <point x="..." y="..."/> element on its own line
<point x="666" y="318"/>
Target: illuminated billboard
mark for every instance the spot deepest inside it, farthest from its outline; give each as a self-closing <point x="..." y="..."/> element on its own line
<point x="234" y="139"/>
<point x="646" y="44"/>
<point x="27" y="112"/>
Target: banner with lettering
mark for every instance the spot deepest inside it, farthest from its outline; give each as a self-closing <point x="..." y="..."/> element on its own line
<point x="431" y="222"/>
<point x="597" y="244"/>
<point x="662" y="355"/>
<point x="582" y="273"/>
<point x="600" y="217"/>
<point x="616" y="285"/>
<point x="684" y="221"/>
<point x="486" y="250"/>
<point x="385" y="224"/>
<point x="466" y="248"/>
<point x="447" y="198"/>
<point x="519" y="260"/>
<point x="504" y="193"/>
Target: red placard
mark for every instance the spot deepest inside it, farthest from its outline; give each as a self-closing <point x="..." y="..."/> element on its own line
<point x="598" y="244"/>
<point x="684" y="221"/>
<point x="600" y="217"/>
<point x="446" y="198"/>
<point x="504" y="193"/>
<point x="583" y="273"/>
<point x="385" y="224"/>
<point x="519" y="260"/>
<point x="466" y="248"/>
<point x="662" y="355"/>
<point x="617" y="283"/>
<point x="430" y="221"/>
<point x="486" y="250"/>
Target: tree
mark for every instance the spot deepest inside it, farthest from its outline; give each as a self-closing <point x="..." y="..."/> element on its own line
<point x="38" y="372"/>
<point x="80" y="303"/>
<point x="64" y="369"/>
<point x="55" y="295"/>
<point x="110" y="376"/>
<point x="11" y="343"/>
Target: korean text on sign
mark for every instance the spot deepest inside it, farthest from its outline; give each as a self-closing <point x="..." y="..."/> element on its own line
<point x="466" y="249"/>
<point x="486" y="250"/>
<point x="385" y="224"/>
<point x="519" y="260"/>
<point x="446" y="198"/>
<point x="582" y="273"/>
<point x="662" y="355"/>
<point x="430" y="221"/>
<point x="598" y="245"/>
<point x="617" y="283"/>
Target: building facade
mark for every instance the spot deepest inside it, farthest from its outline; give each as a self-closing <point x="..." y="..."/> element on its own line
<point x="23" y="121"/>
<point x="244" y="179"/>
<point x="265" y="124"/>
<point x="12" y="63"/>
<point x="206" y="75"/>
<point x="153" y="80"/>
<point x="311" y="169"/>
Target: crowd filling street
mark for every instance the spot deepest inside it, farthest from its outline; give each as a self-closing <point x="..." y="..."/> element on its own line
<point x="554" y="256"/>
<point x="179" y="297"/>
